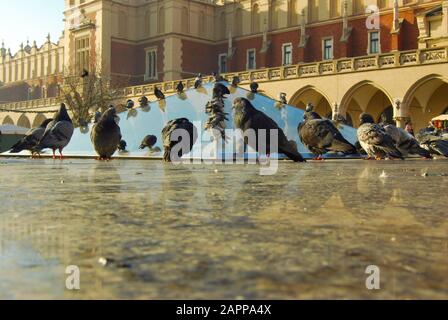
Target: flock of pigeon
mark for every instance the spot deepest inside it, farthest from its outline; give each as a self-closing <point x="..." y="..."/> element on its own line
<point x="318" y="135"/>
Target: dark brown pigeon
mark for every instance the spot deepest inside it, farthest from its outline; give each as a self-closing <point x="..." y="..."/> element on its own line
<point x="247" y="117"/>
<point x="167" y="135"/>
<point x="321" y="136"/>
<point x="106" y="135"/>
<point x="148" y="142"/>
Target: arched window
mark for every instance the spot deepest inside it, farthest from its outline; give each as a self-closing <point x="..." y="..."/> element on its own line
<point x="161" y="21"/>
<point x="238" y="22"/>
<point x="24" y="122"/>
<point x="38" y="120"/>
<point x="8" y="120"/>
<point x="185" y="20"/>
<point x="255" y="18"/>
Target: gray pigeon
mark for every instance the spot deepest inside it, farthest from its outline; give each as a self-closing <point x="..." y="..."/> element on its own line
<point x="148" y="142"/>
<point x="170" y="129"/>
<point x="31" y="139"/>
<point x="198" y="81"/>
<point x="235" y="81"/>
<point x="122" y="145"/>
<point x="58" y="133"/>
<point x="180" y="87"/>
<point x="321" y="136"/>
<point x="159" y="94"/>
<point x="247" y="117"/>
<point x="106" y="135"/>
<point x="433" y="142"/>
<point x="254" y="87"/>
<point x="375" y="140"/>
<point x="405" y="142"/>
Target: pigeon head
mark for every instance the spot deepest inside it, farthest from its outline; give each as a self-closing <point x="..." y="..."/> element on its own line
<point x="242" y="105"/>
<point x="129" y="104"/>
<point x="143" y="101"/>
<point x="122" y="145"/>
<point x="62" y="114"/>
<point x="45" y="123"/>
<point x="109" y="115"/>
<point x="254" y="87"/>
<point x="309" y="107"/>
<point x="365" y="118"/>
<point x="220" y="90"/>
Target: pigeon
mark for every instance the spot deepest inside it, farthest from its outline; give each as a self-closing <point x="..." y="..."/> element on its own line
<point x="282" y="98"/>
<point x="247" y="117"/>
<point x="405" y="142"/>
<point x="217" y="77"/>
<point x="144" y="101"/>
<point x="31" y="139"/>
<point x="129" y="104"/>
<point x="159" y="94"/>
<point x="167" y="134"/>
<point x="198" y="81"/>
<point x="180" y="87"/>
<point x="321" y="136"/>
<point x="254" y="87"/>
<point x="58" y="132"/>
<point x="310" y="114"/>
<point x="375" y="140"/>
<point x="85" y="73"/>
<point x="235" y="81"/>
<point x="122" y="146"/>
<point x="148" y="142"/>
<point x="432" y="142"/>
<point x="106" y="135"/>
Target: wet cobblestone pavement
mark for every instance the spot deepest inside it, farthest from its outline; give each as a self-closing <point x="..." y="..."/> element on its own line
<point x="223" y="232"/>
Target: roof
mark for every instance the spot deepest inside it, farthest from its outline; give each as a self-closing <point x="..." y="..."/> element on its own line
<point x="443" y="117"/>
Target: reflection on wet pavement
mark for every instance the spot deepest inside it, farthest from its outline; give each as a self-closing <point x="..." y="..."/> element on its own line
<point x="223" y="232"/>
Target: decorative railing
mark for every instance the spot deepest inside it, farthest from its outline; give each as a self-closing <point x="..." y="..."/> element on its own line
<point x="304" y="70"/>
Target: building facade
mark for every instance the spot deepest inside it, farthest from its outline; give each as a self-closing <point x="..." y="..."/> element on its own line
<point x="153" y="41"/>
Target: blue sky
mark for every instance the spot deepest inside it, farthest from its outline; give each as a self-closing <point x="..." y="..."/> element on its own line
<point x="30" y="19"/>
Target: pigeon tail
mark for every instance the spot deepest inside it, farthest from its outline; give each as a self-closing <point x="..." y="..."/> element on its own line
<point x="441" y="147"/>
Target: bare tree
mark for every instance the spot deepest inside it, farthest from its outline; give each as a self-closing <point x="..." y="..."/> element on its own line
<point x="88" y="92"/>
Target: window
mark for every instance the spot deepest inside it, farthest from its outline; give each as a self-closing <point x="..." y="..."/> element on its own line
<point x="222" y="63"/>
<point x="251" y="63"/>
<point x="287" y="54"/>
<point x="327" y="49"/>
<point x="374" y="42"/>
<point x="151" y="64"/>
<point x="82" y="53"/>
